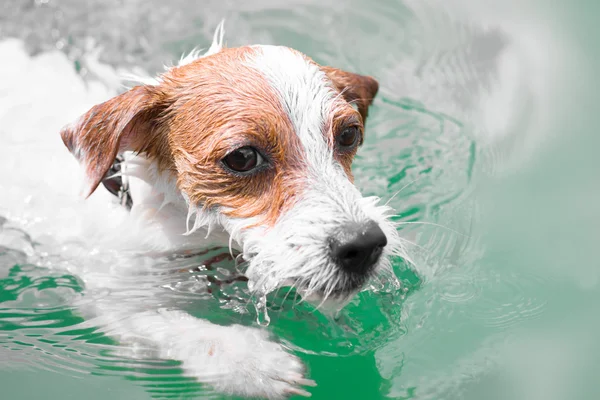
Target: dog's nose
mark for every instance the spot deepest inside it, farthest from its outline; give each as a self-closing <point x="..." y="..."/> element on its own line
<point x="360" y="249"/>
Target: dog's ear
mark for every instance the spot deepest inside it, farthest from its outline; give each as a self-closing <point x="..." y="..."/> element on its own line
<point x="355" y="88"/>
<point x="125" y="122"/>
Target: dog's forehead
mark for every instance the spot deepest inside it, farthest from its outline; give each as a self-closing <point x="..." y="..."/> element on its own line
<point x="304" y="90"/>
<point x="245" y="71"/>
<point x="260" y="84"/>
<point x="222" y="96"/>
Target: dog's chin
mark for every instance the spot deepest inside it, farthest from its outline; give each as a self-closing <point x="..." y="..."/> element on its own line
<point x="325" y="298"/>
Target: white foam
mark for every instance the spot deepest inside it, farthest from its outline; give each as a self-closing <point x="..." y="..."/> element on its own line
<point x="39" y="178"/>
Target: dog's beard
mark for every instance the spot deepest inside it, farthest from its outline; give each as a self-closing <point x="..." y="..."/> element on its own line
<point x="295" y="252"/>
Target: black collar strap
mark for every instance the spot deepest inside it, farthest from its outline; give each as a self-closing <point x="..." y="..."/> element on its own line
<point x="118" y="184"/>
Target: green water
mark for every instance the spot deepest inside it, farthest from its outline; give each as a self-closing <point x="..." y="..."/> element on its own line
<point x="503" y="299"/>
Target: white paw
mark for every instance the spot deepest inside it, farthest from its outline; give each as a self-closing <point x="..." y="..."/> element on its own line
<point x="247" y="363"/>
<point x="233" y="359"/>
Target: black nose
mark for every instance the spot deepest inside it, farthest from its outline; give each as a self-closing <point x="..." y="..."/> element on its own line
<point x="361" y="247"/>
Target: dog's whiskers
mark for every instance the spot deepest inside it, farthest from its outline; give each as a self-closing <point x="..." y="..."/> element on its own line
<point x="291" y="288"/>
<point x="402" y="188"/>
<point x="404" y="240"/>
<point x="432" y="224"/>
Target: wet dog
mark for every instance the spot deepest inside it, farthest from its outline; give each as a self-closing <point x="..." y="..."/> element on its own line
<point x="250" y="147"/>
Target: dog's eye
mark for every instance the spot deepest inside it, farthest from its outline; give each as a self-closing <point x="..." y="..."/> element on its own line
<point x="349" y="136"/>
<point x="243" y="159"/>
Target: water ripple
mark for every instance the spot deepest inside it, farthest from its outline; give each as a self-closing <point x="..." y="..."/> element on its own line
<point x="421" y="149"/>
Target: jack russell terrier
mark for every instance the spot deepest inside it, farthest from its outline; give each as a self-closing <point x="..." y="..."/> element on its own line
<point x="249" y="147"/>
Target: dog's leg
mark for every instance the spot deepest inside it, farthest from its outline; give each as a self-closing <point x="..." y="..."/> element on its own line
<point x="234" y="359"/>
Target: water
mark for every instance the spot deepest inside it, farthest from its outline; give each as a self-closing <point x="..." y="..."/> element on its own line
<point x="482" y="136"/>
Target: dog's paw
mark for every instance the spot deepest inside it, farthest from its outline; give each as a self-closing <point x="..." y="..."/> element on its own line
<point x="247" y="363"/>
<point x="233" y="359"/>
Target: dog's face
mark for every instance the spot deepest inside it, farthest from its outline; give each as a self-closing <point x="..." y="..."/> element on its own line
<point x="260" y="141"/>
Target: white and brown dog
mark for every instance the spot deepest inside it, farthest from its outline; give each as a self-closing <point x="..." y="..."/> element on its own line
<point x="249" y="147"/>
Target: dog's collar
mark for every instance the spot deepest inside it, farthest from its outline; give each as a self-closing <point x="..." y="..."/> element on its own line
<point x="118" y="184"/>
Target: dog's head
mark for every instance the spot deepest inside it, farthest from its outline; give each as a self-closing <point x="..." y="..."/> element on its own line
<point x="260" y="140"/>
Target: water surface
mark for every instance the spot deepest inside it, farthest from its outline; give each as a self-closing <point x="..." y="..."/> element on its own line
<point x="482" y="138"/>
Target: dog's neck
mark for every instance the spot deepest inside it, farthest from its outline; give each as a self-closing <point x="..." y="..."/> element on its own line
<point x="158" y="208"/>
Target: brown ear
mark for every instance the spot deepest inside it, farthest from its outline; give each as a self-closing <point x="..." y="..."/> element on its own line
<point x="125" y="122"/>
<point x="355" y="88"/>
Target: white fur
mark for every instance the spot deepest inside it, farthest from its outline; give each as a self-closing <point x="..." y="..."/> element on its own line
<point x="215" y="47"/>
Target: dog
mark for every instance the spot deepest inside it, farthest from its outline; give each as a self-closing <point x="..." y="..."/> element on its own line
<point x="251" y="148"/>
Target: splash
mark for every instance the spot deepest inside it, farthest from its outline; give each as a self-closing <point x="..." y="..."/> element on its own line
<point x="262" y="314"/>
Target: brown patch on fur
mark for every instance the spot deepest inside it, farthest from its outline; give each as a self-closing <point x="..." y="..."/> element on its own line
<point x="355" y="88"/>
<point x="343" y="117"/>
<point x="219" y="104"/>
